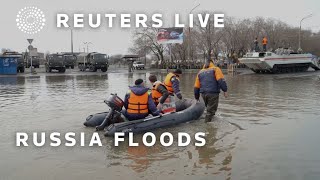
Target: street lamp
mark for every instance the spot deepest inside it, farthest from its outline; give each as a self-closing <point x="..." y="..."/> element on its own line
<point x="189" y="38"/>
<point x="310" y="15"/>
<point x="87" y="43"/>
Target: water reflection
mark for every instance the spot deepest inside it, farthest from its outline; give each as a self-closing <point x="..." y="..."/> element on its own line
<point x="283" y="107"/>
<point x="212" y="159"/>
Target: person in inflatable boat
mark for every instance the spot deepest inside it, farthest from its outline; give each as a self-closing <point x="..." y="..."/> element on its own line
<point x="138" y="102"/>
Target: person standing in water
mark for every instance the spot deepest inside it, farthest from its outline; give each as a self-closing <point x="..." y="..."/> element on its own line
<point x="208" y="83"/>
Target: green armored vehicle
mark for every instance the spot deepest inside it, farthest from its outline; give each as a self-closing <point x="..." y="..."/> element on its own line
<point x="20" y="64"/>
<point x="56" y="62"/>
<point x="70" y="60"/>
<point x="93" y="62"/>
<point x="35" y="61"/>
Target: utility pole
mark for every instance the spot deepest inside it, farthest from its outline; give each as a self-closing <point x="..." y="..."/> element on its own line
<point x="189" y="34"/>
<point x="310" y="15"/>
<point x="30" y="48"/>
<point x="71" y="41"/>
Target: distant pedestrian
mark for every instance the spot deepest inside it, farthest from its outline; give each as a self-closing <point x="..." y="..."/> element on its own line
<point x="131" y="68"/>
<point x="264" y="43"/>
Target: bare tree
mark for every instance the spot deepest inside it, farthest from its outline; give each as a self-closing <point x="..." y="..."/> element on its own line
<point x="145" y="41"/>
<point x="235" y="39"/>
<point x="208" y="37"/>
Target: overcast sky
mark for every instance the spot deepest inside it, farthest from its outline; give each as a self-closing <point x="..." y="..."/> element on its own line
<point x="117" y="40"/>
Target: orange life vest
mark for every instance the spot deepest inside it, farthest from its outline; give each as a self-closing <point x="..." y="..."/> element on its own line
<point x="168" y="83"/>
<point x="156" y="94"/>
<point x="264" y="41"/>
<point x="138" y="104"/>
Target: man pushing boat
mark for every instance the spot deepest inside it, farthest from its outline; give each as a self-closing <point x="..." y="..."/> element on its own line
<point x="208" y="83"/>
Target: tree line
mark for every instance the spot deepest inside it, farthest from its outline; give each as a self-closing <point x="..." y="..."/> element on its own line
<point x="234" y="40"/>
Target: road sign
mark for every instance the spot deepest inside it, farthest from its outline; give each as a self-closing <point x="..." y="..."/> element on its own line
<point x="33" y="52"/>
<point x="30" y="40"/>
<point x="30" y="47"/>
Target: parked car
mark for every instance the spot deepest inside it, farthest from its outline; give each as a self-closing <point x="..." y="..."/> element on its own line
<point x="138" y="65"/>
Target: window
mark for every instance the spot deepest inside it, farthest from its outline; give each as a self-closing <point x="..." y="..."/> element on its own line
<point x="100" y="56"/>
<point x="262" y="54"/>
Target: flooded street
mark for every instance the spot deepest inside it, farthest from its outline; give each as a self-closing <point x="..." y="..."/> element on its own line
<point x="268" y="128"/>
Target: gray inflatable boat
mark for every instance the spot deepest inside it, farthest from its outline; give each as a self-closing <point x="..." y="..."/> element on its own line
<point x="187" y="110"/>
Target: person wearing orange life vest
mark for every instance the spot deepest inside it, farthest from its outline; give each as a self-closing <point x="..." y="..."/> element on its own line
<point x="138" y="102"/>
<point x="208" y="83"/>
<point x="159" y="91"/>
<point x="264" y="43"/>
<point x="172" y="83"/>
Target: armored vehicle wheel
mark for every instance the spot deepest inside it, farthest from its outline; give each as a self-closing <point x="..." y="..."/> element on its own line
<point x="22" y="70"/>
<point x="62" y="70"/>
<point x="81" y="67"/>
<point x="72" y="67"/>
<point x="104" y="69"/>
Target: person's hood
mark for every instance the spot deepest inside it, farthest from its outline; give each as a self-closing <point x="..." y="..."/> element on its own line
<point x="156" y="82"/>
<point x="209" y="64"/>
<point x="138" y="90"/>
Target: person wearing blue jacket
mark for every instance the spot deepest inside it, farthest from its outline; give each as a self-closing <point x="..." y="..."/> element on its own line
<point x="138" y="102"/>
<point x="209" y="82"/>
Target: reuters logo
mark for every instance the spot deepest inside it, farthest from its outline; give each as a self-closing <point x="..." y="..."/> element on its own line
<point x="30" y="20"/>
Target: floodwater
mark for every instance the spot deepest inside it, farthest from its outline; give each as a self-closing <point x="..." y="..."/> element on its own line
<point x="268" y="128"/>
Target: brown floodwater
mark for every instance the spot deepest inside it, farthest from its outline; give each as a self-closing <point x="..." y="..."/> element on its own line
<point x="268" y="128"/>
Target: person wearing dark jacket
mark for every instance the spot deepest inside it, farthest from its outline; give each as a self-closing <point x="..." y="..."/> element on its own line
<point x="159" y="91"/>
<point x="138" y="102"/>
<point x="172" y="83"/>
<point x="208" y="83"/>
